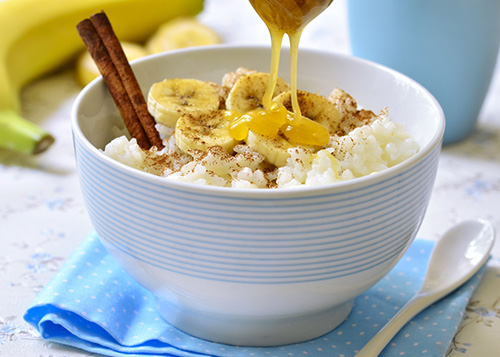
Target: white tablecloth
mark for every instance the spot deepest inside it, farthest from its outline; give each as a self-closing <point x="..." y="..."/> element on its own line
<point x="43" y="218"/>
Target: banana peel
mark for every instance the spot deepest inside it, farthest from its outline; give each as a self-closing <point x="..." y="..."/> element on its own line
<point x="38" y="36"/>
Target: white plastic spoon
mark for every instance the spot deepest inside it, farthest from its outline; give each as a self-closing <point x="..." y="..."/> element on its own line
<point x="456" y="257"/>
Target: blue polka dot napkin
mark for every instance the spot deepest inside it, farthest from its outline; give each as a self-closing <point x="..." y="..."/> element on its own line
<point x="92" y="304"/>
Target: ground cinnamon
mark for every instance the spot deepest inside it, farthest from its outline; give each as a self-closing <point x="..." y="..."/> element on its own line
<point x="107" y="52"/>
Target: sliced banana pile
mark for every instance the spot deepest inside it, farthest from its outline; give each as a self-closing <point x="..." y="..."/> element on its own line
<point x="201" y="112"/>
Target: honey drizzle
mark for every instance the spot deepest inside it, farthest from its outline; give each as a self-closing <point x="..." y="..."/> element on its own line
<point x="290" y="17"/>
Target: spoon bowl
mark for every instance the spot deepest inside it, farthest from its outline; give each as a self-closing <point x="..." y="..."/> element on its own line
<point x="456" y="257"/>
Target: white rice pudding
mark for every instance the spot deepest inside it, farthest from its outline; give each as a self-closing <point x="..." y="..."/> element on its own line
<point x="364" y="143"/>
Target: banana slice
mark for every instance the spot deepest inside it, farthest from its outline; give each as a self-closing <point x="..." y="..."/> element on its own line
<point x="229" y="79"/>
<point x="181" y="33"/>
<point x="346" y="104"/>
<point x="248" y="91"/>
<point x="87" y="71"/>
<point x="171" y="98"/>
<point x="349" y="115"/>
<point x="313" y="106"/>
<point x="274" y="150"/>
<point x="200" y="131"/>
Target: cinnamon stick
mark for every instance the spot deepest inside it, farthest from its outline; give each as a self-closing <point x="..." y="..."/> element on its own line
<point x="112" y="80"/>
<point x="103" y="27"/>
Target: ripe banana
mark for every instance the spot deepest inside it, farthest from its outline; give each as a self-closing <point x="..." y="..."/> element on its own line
<point x="202" y="130"/>
<point x="171" y="98"/>
<point x="38" y="36"/>
<point x="248" y="91"/>
<point x="181" y="33"/>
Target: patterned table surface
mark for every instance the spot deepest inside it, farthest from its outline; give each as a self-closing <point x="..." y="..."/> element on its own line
<point x="43" y="218"/>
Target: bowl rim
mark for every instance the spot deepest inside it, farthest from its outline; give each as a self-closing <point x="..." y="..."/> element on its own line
<point x="257" y="193"/>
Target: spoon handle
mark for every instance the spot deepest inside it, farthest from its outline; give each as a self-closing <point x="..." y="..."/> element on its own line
<point x="385" y="335"/>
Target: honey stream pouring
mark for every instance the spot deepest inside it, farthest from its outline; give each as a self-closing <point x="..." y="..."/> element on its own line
<point x="286" y="17"/>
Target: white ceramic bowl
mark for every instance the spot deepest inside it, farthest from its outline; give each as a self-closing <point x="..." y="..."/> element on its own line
<point x="259" y="267"/>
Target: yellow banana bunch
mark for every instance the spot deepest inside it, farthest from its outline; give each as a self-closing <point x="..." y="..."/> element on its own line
<point x="193" y="108"/>
<point x="37" y="36"/>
